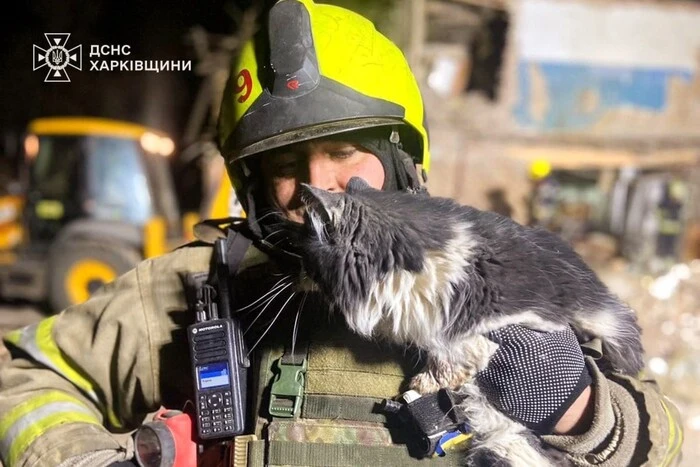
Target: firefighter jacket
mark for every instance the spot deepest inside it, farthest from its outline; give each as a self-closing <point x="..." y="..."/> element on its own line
<point x="80" y="378"/>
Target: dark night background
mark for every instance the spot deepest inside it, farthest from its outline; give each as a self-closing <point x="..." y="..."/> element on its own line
<point x="154" y="30"/>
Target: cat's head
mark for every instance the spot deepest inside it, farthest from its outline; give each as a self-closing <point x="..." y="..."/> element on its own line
<point x="352" y="241"/>
<point x="333" y="218"/>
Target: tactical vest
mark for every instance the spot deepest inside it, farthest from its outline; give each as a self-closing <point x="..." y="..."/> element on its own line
<point x="321" y="406"/>
<point x="337" y="421"/>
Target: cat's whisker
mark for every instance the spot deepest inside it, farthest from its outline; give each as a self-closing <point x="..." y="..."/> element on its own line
<point x="274" y="320"/>
<point x="264" y="302"/>
<point x="296" y="321"/>
<point x="273" y="289"/>
<point x="284" y="276"/>
<point x="454" y="407"/>
<point x="265" y="308"/>
<point x="271" y="213"/>
<point x="274" y="233"/>
<point x="278" y="242"/>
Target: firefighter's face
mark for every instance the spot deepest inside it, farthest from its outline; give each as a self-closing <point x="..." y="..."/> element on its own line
<point x="325" y="164"/>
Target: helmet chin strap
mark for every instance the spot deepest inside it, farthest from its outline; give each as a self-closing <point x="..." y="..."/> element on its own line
<point x="261" y="223"/>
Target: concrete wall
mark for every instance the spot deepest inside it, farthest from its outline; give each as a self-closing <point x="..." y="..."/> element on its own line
<point x="610" y="69"/>
<point x="468" y="169"/>
<point x="586" y="84"/>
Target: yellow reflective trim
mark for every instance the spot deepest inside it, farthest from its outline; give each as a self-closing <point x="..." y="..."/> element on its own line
<point x="13" y="337"/>
<point x="82" y="273"/>
<point x="49" y="209"/>
<point x="47" y="346"/>
<point x="32" y="404"/>
<point x="675" y="436"/>
<point x="22" y="442"/>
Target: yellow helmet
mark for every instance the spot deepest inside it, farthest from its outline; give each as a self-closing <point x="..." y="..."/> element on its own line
<point x="540" y="169"/>
<point x="316" y="70"/>
<point x="677" y="189"/>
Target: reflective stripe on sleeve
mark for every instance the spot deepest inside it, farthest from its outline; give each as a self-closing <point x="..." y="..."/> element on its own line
<point x="33" y="417"/>
<point x="675" y="436"/>
<point x="13" y="337"/>
<point x="37" y="340"/>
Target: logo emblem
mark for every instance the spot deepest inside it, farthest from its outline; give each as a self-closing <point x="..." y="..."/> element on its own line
<point x="57" y="57"/>
<point x="293" y="84"/>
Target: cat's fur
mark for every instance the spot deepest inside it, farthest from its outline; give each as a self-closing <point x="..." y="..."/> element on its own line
<point x="430" y="273"/>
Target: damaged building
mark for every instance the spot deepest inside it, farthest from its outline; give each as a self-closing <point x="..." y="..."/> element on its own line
<point x="604" y="94"/>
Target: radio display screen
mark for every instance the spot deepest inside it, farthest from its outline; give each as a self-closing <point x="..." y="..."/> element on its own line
<point x="213" y="375"/>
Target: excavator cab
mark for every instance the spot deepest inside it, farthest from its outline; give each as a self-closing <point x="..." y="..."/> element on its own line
<point x="99" y="199"/>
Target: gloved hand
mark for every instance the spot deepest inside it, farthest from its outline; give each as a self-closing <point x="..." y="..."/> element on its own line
<point x="534" y="376"/>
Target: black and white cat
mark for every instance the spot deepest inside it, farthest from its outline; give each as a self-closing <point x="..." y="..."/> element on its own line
<point x="428" y="272"/>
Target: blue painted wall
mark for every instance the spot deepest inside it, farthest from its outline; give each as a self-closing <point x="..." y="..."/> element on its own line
<point x="567" y="83"/>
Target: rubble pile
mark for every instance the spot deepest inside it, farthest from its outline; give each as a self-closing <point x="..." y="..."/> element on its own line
<point x="668" y="307"/>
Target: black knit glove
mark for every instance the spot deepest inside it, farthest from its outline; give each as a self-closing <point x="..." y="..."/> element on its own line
<point x="534" y="376"/>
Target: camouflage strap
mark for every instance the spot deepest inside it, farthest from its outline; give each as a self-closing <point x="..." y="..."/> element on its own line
<point x="339" y="455"/>
<point x="362" y="409"/>
<point x="240" y="452"/>
<point x="256" y="454"/>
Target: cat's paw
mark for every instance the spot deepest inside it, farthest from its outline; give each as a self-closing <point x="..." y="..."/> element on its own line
<point x="424" y="383"/>
<point x="454" y="376"/>
<point x="438" y="374"/>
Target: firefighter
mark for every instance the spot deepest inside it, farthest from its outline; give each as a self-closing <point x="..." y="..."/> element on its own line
<point x="670" y="221"/>
<point x="318" y="96"/>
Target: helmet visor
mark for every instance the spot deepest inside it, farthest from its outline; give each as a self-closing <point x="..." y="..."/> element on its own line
<point x="312" y="132"/>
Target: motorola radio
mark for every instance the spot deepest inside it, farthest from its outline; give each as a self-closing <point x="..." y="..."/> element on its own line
<point x="218" y="357"/>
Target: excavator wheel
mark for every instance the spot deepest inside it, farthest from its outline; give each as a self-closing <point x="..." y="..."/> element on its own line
<point x="78" y="268"/>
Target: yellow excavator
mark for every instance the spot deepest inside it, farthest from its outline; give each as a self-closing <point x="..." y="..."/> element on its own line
<point x="99" y="198"/>
<point x="10" y="227"/>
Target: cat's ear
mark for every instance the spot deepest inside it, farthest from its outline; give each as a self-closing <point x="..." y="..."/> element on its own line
<point x="356" y="184"/>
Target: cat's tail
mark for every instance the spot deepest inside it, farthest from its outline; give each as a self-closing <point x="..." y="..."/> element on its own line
<point x="616" y="325"/>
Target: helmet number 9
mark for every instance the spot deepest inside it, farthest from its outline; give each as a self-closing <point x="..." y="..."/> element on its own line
<point x="244" y="85"/>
